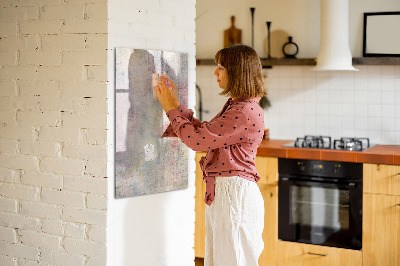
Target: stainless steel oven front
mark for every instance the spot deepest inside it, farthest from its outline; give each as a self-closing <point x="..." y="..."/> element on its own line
<point x="320" y="202"/>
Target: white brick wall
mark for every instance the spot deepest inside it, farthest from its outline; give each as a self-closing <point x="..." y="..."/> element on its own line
<point x="53" y="109"/>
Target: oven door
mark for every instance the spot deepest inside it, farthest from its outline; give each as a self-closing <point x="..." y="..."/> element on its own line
<point x="321" y="212"/>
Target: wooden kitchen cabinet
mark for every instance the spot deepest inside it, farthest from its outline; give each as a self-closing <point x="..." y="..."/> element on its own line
<point x="381" y="179"/>
<point x="381" y="230"/>
<point x="200" y="207"/>
<point x="298" y="254"/>
<point x="267" y="168"/>
<point x="270" y="233"/>
<point x="381" y="215"/>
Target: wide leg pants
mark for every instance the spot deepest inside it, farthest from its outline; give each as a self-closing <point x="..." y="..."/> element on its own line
<point x="234" y="223"/>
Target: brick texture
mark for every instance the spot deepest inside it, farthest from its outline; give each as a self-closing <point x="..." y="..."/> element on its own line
<point x="53" y="109"/>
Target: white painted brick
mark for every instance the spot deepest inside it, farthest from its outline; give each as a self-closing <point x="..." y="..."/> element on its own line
<point x="25" y="103"/>
<point x="19" y="221"/>
<point x="39" y="58"/>
<point x="19" y="250"/>
<point x="99" y="260"/>
<point x="95" y="168"/>
<point x="8" y="205"/>
<point x="53" y="227"/>
<point x="68" y="135"/>
<point x="65" y="42"/>
<point x="60" y="73"/>
<point x="35" y="239"/>
<point x="88" y="57"/>
<point x="63" y="197"/>
<point x="97" y="73"/>
<point x="84" y="247"/>
<point x="39" y="118"/>
<point x="87" y="88"/>
<point x="97" y="234"/>
<point x="95" y="136"/>
<point x="39" y="87"/>
<point x="98" y="121"/>
<point x="8" y="261"/>
<point x="85" y="152"/>
<point x="32" y="2"/>
<point x="72" y="105"/>
<point x="61" y="259"/>
<point x="18" y="161"/>
<point x="7" y="117"/>
<point x="18" y="72"/>
<point x="84" y="26"/>
<point x="62" y="166"/>
<point x="25" y="262"/>
<point x="7" y="88"/>
<point x="41" y="179"/>
<point x="19" y="13"/>
<point x="97" y="42"/>
<point x="41" y="210"/>
<point x="39" y="148"/>
<point x="8" y="234"/>
<point x="75" y="230"/>
<point x="94" y="201"/>
<point x="17" y="191"/>
<point x="86" y="184"/>
<point x="17" y="132"/>
<point x="62" y="12"/>
<point x="20" y="43"/>
<point x="7" y="175"/>
<point x="8" y="58"/>
<point x="8" y="146"/>
<point x="40" y="27"/>
<point x="97" y="11"/>
<point x="84" y="216"/>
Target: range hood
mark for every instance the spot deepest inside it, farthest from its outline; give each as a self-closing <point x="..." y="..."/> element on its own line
<point x="334" y="51"/>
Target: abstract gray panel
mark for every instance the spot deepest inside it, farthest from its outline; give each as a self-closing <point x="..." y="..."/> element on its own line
<point x="145" y="163"/>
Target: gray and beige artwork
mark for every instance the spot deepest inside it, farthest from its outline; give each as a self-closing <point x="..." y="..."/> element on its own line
<point x="145" y="163"/>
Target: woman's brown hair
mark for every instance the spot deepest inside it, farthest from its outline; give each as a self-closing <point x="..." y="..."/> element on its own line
<point x="245" y="78"/>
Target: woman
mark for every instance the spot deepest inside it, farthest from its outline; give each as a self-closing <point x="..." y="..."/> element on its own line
<point x="235" y="207"/>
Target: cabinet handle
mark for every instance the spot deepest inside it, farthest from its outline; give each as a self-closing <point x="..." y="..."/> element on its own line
<point x="398" y="204"/>
<point x="318" y="254"/>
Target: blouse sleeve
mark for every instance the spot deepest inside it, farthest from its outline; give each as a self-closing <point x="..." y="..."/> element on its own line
<point x="223" y="131"/>
<point x="186" y="113"/>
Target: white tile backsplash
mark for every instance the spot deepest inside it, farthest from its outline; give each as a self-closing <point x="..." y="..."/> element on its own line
<point x="364" y="103"/>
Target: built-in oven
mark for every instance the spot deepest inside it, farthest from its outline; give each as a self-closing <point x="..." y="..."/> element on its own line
<point x="320" y="202"/>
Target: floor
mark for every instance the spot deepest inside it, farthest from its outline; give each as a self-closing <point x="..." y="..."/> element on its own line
<point x="199" y="262"/>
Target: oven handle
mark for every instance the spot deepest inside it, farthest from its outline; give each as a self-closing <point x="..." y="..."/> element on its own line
<point x="297" y="181"/>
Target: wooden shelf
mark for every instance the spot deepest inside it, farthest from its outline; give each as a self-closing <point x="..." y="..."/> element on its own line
<point x="312" y="61"/>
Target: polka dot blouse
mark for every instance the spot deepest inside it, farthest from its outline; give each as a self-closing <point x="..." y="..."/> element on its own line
<point x="231" y="139"/>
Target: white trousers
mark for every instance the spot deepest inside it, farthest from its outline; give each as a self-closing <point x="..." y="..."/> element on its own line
<point x="234" y="223"/>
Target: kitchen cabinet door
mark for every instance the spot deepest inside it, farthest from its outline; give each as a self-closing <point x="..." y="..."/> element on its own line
<point x="298" y="254"/>
<point x="267" y="168"/>
<point x="200" y="207"/>
<point x="381" y="230"/>
<point x="381" y="179"/>
<point x="270" y="233"/>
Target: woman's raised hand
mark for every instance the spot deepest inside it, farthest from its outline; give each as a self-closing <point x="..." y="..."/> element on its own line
<point x="164" y="93"/>
<point x="174" y="90"/>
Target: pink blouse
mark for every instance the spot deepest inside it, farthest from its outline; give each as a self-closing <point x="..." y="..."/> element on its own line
<point x="231" y="139"/>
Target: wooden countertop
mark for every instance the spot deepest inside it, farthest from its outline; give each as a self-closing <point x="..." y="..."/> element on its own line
<point x="379" y="154"/>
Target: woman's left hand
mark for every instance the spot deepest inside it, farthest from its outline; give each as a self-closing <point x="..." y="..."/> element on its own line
<point x="164" y="96"/>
